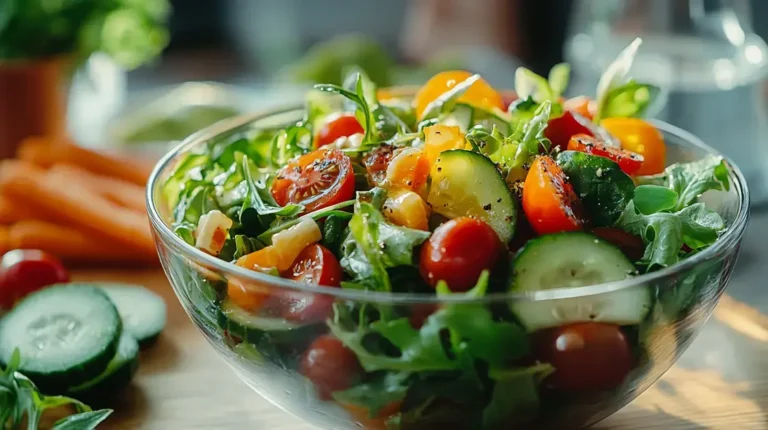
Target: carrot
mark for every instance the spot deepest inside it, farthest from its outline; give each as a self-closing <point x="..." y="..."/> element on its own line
<point x="123" y="193"/>
<point x="77" y="205"/>
<point x="72" y="244"/>
<point x="45" y="153"/>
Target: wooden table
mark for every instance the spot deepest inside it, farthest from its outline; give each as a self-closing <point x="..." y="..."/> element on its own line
<point x="720" y="383"/>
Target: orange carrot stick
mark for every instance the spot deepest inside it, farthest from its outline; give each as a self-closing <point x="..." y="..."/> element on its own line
<point x="44" y="153"/>
<point x="77" y="205"/>
<point x="72" y="244"/>
<point x="123" y="193"/>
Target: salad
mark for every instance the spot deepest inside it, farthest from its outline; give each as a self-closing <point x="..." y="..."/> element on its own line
<point x="454" y="192"/>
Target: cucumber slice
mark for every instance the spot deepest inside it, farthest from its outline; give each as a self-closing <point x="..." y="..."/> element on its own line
<point x="116" y="377"/>
<point x="67" y="334"/>
<point x="143" y="312"/>
<point x="568" y="260"/>
<point x="462" y="115"/>
<point x="465" y="183"/>
<point x="490" y="119"/>
<point x="257" y="329"/>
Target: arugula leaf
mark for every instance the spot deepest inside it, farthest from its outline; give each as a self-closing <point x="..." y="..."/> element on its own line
<point x="515" y="396"/>
<point x="447" y="101"/>
<point x="83" y="421"/>
<point x="530" y="141"/>
<point x="259" y="200"/>
<point x="559" y="77"/>
<point x="373" y="245"/>
<point x="691" y="180"/>
<point x="382" y="390"/>
<point x="333" y="233"/>
<point x="665" y="233"/>
<point x="629" y="100"/>
<point x="194" y="203"/>
<point x="266" y="237"/>
<point x="288" y="144"/>
<point x="530" y="85"/>
<point x="650" y="199"/>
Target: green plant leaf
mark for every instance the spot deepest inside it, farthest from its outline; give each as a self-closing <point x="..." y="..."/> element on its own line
<point x="515" y="396"/>
<point x="615" y="75"/>
<point x="83" y="421"/>
<point x="691" y="180"/>
<point x="530" y="85"/>
<point x="559" y="77"/>
<point x="382" y="390"/>
<point x="650" y="199"/>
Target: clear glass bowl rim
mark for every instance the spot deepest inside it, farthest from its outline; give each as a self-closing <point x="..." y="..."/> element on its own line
<point x="727" y="240"/>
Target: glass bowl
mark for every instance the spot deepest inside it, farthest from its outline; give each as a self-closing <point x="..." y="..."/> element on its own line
<point x="266" y="353"/>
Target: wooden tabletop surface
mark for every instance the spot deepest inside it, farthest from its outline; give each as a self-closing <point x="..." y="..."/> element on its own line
<point x="720" y="383"/>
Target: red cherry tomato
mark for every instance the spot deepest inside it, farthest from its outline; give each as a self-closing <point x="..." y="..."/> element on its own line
<point x="24" y="271"/>
<point x="632" y="245"/>
<point x="586" y="356"/>
<point x="629" y="162"/>
<point x="376" y="163"/>
<point x="329" y="365"/>
<point x="559" y="130"/>
<point x="343" y="125"/>
<point x="315" y="265"/>
<point x="420" y="312"/>
<point x="549" y="202"/>
<point x="316" y="180"/>
<point x="458" y="251"/>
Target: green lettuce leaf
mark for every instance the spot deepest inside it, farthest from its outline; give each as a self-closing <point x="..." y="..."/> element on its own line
<point x="515" y="396"/>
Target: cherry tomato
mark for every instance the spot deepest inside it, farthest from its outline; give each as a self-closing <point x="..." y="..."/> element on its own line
<point x="376" y="163"/>
<point x="24" y="271"/>
<point x="458" y="251"/>
<point x="480" y="94"/>
<point x="586" y="356"/>
<point x="632" y="246"/>
<point x="559" y="130"/>
<point x="629" y="162"/>
<point x="315" y="265"/>
<point x="549" y="202"/>
<point x="251" y="298"/>
<point x="420" y="312"/>
<point x="329" y="365"/>
<point x="363" y="415"/>
<point x="343" y="125"/>
<point x="641" y="138"/>
<point x="316" y="180"/>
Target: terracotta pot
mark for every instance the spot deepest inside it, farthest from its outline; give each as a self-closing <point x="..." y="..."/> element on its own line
<point x="32" y="100"/>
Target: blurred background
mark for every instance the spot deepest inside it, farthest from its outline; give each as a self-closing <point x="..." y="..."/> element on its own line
<point x="152" y="71"/>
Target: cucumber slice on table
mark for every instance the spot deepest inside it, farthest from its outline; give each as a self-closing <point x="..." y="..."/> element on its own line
<point x="116" y="377"/>
<point x="255" y="329"/>
<point x="568" y="260"/>
<point x="143" y="312"/>
<point x="66" y="334"/>
<point x="465" y="183"/>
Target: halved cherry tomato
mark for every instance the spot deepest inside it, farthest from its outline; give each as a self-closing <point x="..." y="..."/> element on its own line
<point x="628" y="161"/>
<point x="586" y="356"/>
<point x="632" y="245"/>
<point x="581" y="105"/>
<point x="549" y="202"/>
<point x="330" y="365"/>
<point x="315" y="265"/>
<point x="316" y="180"/>
<point x="480" y="94"/>
<point x="24" y="271"/>
<point x="641" y="138"/>
<point x="458" y="251"/>
<point x="559" y="130"/>
<point x="376" y="163"/>
<point x="343" y="125"/>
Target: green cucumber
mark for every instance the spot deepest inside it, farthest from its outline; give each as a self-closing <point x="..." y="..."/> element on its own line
<point x="66" y="334"/>
<point x="603" y="188"/>
<point x="462" y="116"/>
<point x="490" y="119"/>
<point x="465" y="183"/>
<point x="257" y="329"/>
<point x="116" y="377"/>
<point x="569" y="260"/>
<point x="143" y="312"/>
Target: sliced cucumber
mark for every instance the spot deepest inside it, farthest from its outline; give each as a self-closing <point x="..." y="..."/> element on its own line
<point x="256" y="329"/>
<point x="118" y="374"/>
<point x="462" y="116"/>
<point x="568" y="260"/>
<point x="465" y="183"/>
<point x="67" y="334"/>
<point x="490" y="119"/>
<point x="143" y="312"/>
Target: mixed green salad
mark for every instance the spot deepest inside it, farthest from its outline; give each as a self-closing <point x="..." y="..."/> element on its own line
<point x="461" y="192"/>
